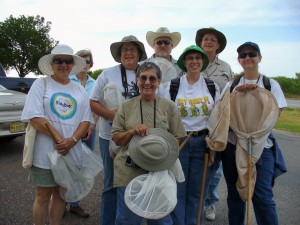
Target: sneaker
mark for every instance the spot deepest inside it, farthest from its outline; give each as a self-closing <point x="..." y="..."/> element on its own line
<point x="210" y="213"/>
<point x="79" y="211"/>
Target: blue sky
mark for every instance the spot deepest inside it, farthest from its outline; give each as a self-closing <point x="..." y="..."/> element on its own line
<point x="273" y="24"/>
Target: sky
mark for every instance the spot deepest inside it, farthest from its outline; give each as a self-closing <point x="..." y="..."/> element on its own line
<point x="95" y="24"/>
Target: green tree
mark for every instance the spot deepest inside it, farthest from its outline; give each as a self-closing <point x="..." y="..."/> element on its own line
<point x="298" y="75"/>
<point x="95" y="73"/>
<point x="23" y="41"/>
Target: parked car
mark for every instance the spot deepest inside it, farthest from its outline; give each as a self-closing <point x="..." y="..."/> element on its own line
<point x="21" y="84"/>
<point x="11" y="106"/>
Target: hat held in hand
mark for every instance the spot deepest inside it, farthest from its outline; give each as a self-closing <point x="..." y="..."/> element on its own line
<point x="155" y="152"/>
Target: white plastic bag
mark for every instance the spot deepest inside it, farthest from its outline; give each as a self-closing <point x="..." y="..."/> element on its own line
<point x="75" y="183"/>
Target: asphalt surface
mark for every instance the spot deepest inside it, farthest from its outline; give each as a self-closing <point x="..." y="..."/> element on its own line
<point x="17" y="195"/>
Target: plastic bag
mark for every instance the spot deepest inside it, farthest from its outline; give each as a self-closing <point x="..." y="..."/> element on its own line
<point x="111" y="96"/>
<point x="152" y="195"/>
<point x="75" y="183"/>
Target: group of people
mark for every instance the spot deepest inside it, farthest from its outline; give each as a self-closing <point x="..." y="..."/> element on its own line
<point x="181" y="107"/>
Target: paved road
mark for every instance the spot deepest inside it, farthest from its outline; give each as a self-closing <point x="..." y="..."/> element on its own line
<point x="16" y="195"/>
<point x="293" y="103"/>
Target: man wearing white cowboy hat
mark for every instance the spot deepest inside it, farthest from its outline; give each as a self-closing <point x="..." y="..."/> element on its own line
<point x="163" y="41"/>
<point x="213" y="42"/>
<point x="128" y="52"/>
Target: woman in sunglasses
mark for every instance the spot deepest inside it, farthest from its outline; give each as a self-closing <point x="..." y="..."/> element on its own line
<point x="135" y="117"/>
<point x="268" y="167"/>
<point x="63" y="105"/>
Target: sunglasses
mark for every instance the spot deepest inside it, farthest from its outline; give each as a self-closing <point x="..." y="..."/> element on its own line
<point x="243" y="55"/>
<point x="143" y="79"/>
<point x="165" y="42"/>
<point x="67" y="61"/>
<point x="87" y="61"/>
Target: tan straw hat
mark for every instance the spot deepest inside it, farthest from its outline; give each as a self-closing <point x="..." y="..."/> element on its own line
<point x="155" y="152"/>
<point x="116" y="51"/>
<point x="163" y="32"/>
<point x="45" y="63"/>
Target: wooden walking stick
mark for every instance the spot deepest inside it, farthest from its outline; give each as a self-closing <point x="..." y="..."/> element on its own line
<point x="206" y="154"/>
<point x="185" y="141"/>
<point x="249" y="196"/>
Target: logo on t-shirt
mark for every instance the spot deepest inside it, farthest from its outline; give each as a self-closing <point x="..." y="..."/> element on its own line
<point x="63" y="105"/>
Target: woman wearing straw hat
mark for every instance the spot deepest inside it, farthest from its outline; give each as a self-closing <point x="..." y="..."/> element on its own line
<point x="128" y="52"/>
<point x="266" y="161"/>
<point x="194" y="102"/>
<point x="62" y="104"/>
<point x="134" y="118"/>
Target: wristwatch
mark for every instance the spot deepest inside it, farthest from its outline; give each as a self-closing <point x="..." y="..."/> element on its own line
<point x="74" y="139"/>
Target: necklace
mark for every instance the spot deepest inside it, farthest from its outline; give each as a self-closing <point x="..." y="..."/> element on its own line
<point x="154" y="112"/>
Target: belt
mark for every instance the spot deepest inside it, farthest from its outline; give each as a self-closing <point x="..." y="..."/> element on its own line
<point x="198" y="133"/>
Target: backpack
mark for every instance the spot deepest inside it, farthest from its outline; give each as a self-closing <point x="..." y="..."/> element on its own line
<point x="174" y="86"/>
<point x="266" y="82"/>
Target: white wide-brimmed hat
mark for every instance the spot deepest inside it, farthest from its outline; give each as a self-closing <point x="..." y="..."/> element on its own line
<point x="116" y="53"/>
<point x="45" y="63"/>
<point x="163" y="32"/>
<point x="155" y="152"/>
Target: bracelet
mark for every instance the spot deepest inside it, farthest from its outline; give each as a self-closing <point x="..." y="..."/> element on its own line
<point x="75" y="139"/>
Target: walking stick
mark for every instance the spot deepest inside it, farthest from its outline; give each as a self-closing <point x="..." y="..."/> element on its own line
<point x="202" y="185"/>
<point x="249" y="196"/>
<point x="185" y="141"/>
<point x="52" y="132"/>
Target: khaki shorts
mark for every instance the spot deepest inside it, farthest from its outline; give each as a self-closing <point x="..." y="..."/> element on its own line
<point x="41" y="177"/>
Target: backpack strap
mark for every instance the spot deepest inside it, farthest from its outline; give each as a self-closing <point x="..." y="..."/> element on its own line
<point x="174" y="86"/>
<point x="175" y="83"/>
<point x="211" y="87"/>
<point x="266" y="82"/>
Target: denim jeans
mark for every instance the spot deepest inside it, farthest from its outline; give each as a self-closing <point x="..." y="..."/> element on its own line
<point x="262" y="200"/>
<point x="216" y="175"/>
<point x="126" y="217"/>
<point x="109" y="194"/>
<point x="188" y="192"/>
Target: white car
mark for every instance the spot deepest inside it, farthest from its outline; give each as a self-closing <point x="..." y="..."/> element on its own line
<point x="11" y="106"/>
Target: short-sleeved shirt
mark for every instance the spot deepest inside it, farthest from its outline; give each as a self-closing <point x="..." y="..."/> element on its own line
<point x="275" y="90"/>
<point x="194" y="102"/>
<point x="89" y="83"/>
<point x="219" y="72"/>
<point x="65" y="107"/>
<point x="128" y="116"/>
<point x="112" y="75"/>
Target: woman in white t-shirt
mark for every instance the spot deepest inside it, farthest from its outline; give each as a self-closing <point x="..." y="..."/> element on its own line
<point x="194" y="102"/>
<point x="268" y="167"/>
<point x="63" y="105"/>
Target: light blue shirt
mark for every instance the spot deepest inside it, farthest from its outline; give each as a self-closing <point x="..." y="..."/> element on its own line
<point x="89" y="83"/>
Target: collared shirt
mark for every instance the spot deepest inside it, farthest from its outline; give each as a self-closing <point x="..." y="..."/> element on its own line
<point x="89" y="83"/>
<point x="174" y="62"/>
<point x="219" y="71"/>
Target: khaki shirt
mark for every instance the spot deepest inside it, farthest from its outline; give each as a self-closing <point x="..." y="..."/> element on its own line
<point x="128" y="116"/>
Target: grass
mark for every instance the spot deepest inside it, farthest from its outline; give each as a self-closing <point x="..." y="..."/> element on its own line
<point x="289" y="120"/>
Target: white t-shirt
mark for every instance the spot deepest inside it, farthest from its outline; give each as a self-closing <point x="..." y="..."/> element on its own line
<point x="65" y="107"/>
<point x="194" y="103"/>
<point x="275" y="90"/>
<point x="112" y="75"/>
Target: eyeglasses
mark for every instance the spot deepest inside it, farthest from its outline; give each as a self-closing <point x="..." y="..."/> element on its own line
<point x="152" y="79"/>
<point x="243" y="55"/>
<point x="210" y="39"/>
<point x="192" y="58"/>
<point x="165" y="42"/>
<point x="87" y="61"/>
<point x="67" y="61"/>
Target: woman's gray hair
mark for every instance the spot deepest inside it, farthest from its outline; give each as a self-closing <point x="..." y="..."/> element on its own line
<point x="149" y="66"/>
<point x="84" y="53"/>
